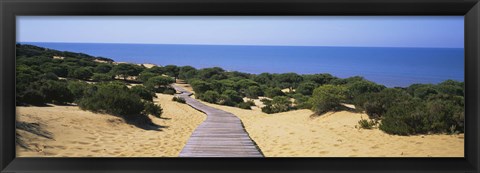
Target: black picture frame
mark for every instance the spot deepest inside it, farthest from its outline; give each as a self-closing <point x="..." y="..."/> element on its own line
<point x="11" y="8"/>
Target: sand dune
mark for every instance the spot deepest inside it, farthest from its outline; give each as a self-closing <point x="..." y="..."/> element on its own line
<point x="297" y="134"/>
<point x="78" y="133"/>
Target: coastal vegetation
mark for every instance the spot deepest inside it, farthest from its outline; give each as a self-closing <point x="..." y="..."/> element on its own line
<point x="100" y="85"/>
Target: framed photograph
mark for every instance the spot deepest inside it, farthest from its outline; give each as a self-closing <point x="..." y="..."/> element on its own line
<point x="239" y="86"/>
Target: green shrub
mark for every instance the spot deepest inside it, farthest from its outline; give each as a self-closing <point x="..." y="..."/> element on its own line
<point x="273" y="92"/>
<point x="81" y="73"/>
<point x="99" y="77"/>
<point x="445" y="116"/>
<point x="103" y="68"/>
<point x="366" y="124"/>
<point x="143" y="92"/>
<point x="56" y="92"/>
<point x="328" y="98"/>
<point x="319" y="79"/>
<point x="362" y="87"/>
<point x="152" y="109"/>
<point x="179" y="100"/>
<point x="253" y="92"/>
<point x="113" y="98"/>
<point x="377" y="104"/>
<point x="145" y="76"/>
<point x="302" y="102"/>
<point x="169" y="91"/>
<point x="267" y="109"/>
<point x="159" y="84"/>
<point x="250" y="102"/>
<point x="288" y="80"/>
<point x="60" y="70"/>
<point x="244" y="105"/>
<point x="125" y="70"/>
<point x="277" y="104"/>
<point x="49" y="76"/>
<point x="451" y="87"/>
<point x="425" y="91"/>
<point x="187" y="72"/>
<point x="232" y="96"/>
<point x="31" y="96"/>
<point x="405" y="118"/>
<point x="210" y="96"/>
<point x="306" y="88"/>
<point x="281" y="104"/>
<point x="79" y="89"/>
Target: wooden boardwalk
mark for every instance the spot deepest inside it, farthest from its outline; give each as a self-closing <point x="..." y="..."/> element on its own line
<point x="220" y="135"/>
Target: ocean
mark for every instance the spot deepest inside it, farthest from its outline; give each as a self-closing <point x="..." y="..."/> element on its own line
<point x="388" y="66"/>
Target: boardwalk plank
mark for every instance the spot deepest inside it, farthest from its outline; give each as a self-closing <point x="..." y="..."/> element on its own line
<point x="220" y="135"/>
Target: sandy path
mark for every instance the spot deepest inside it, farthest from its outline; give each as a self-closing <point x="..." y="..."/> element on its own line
<point x="78" y="133"/>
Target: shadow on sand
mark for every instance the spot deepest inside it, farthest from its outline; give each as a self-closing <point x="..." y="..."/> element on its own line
<point x="145" y="124"/>
<point x="33" y="128"/>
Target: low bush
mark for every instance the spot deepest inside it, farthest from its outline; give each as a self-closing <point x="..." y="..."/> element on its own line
<point x="232" y="96"/>
<point x="328" y="98"/>
<point x="169" y="91"/>
<point x="100" y="77"/>
<point x="31" y="96"/>
<point x="253" y="92"/>
<point x="377" y="104"/>
<point x="301" y="101"/>
<point x="145" y="76"/>
<point x="56" y="92"/>
<point x="273" y="92"/>
<point x="160" y="84"/>
<point x="210" y="96"/>
<point x="250" y="102"/>
<point x="143" y="92"/>
<point x="277" y="104"/>
<point x="405" y="118"/>
<point x="366" y="124"/>
<point x="244" y="105"/>
<point x="306" y="88"/>
<point x="49" y="76"/>
<point x="179" y="99"/>
<point x="79" y="89"/>
<point x="81" y="73"/>
<point x="152" y="109"/>
<point x="116" y="99"/>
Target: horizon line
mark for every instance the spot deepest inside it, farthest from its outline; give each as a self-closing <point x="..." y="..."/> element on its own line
<point x="197" y="44"/>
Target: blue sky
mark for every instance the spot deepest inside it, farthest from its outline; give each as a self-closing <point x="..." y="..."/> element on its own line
<point x="361" y="31"/>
